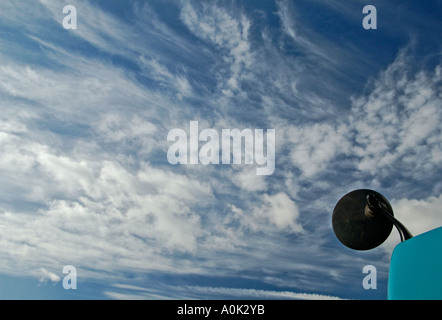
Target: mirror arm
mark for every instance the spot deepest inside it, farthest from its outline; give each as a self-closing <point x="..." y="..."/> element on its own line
<point x="374" y="207"/>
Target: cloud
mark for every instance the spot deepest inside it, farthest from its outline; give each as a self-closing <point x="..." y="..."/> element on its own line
<point x="164" y="77"/>
<point x="230" y="34"/>
<point x="125" y="292"/>
<point x="418" y="216"/>
<point x="247" y="179"/>
<point x="281" y="211"/>
<point x="261" y="294"/>
<point x="95" y="204"/>
<point x="315" y="147"/>
<point x="272" y="213"/>
<point x="392" y="130"/>
<point x="309" y="42"/>
<point x="397" y="124"/>
<point x="47" y="275"/>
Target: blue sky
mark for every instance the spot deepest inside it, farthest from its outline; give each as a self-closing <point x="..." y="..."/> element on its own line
<point x="85" y="116"/>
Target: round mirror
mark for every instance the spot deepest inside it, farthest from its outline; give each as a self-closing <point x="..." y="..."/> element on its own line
<point x="357" y="229"/>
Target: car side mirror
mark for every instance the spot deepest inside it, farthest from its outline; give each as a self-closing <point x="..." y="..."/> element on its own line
<point x="363" y="220"/>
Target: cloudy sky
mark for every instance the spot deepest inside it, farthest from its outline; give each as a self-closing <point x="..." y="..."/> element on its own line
<point x="85" y="115"/>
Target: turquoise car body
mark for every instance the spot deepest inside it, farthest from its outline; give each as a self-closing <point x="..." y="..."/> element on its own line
<point x="416" y="268"/>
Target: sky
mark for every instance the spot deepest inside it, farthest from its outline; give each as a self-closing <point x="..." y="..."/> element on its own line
<point x="84" y="123"/>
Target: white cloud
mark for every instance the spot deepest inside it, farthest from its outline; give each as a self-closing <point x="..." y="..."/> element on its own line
<point x="280" y="211"/>
<point x="97" y="205"/>
<point x="260" y="294"/>
<point x="397" y="124"/>
<point x="91" y="203"/>
<point x="418" y="216"/>
<point x="319" y="50"/>
<point x="125" y="292"/>
<point x="164" y="77"/>
<point x="269" y="214"/>
<point x="47" y="275"/>
<point x="229" y="33"/>
<point x="248" y="180"/>
<point x="316" y="146"/>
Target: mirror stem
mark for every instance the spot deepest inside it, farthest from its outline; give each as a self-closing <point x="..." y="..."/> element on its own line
<point x="374" y="207"/>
